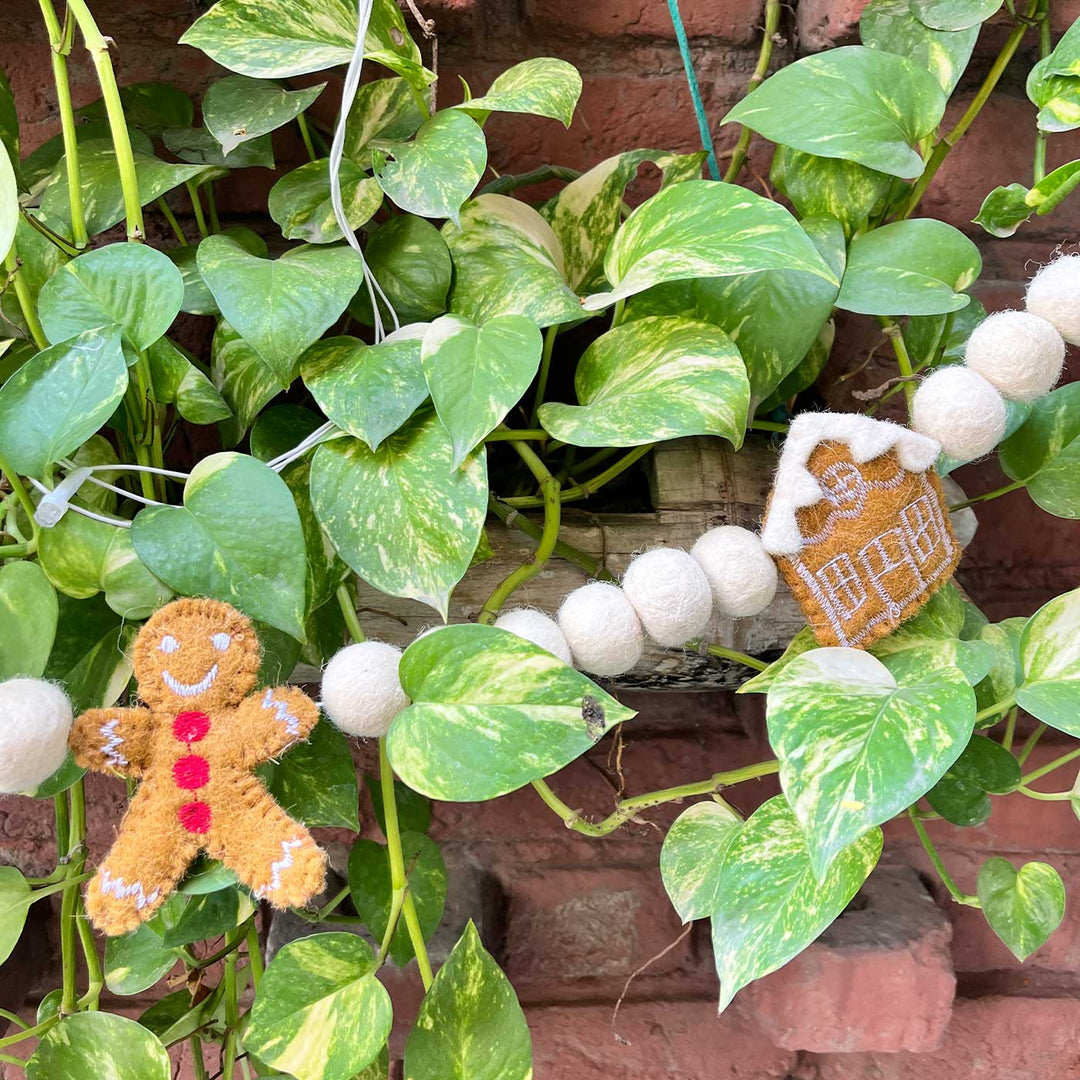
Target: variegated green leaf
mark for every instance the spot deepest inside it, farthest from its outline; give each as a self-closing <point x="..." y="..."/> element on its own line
<point x="855" y="748"/>
<point x="300" y="201"/>
<point x="134" y="962"/>
<point x="771" y="905"/>
<point x="9" y="202"/>
<point x="894" y="27"/>
<point x="102" y="192"/>
<point x="693" y="855"/>
<point x="237" y="538"/>
<point x="915" y="267"/>
<point x="149" y="106"/>
<point x="198" y="300"/>
<point x="477" y="374"/>
<point x="132" y="285"/>
<point x="9" y="123"/>
<point x="93" y="135"/>
<point x="1065" y="57"/>
<point x="1023" y="907"/>
<point x="985" y="767"/>
<point x="1056" y="95"/>
<point x="99" y="1044"/>
<point x="320" y="1013"/>
<point x="703" y="228"/>
<point x="954" y="14"/>
<point x="383" y="107"/>
<point x="586" y="213"/>
<point x="1044" y="452"/>
<point x="411" y="262"/>
<point x="542" y="86"/>
<point x="507" y="261"/>
<point x="841" y="189"/>
<point x="399" y="516"/>
<point x="15" y="899"/>
<point x="274" y="39"/>
<point x="244" y="379"/>
<point x="854" y="103"/>
<point x="238" y="109"/>
<point x="1050" y="658"/>
<point x="1006" y="208"/>
<point x="279" y="306"/>
<point x="197" y="146"/>
<point x="437" y="170"/>
<point x="1005" y="674"/>
<point x="802" y="642"/>
<point x="651" y="379"/>
<point x="28" y="616"/>
<point x="490" y="712"/>
<point x="367" y="390"/>
<point x="470" y="1026"/>
<point x="60" y="397"/>
<point x="175" y="379"/>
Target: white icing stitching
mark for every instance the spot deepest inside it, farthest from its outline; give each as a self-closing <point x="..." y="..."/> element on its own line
<point x="117" y="888"/>
<point x="112" y="741"/>
<point x="278" y="867"/>
<point x="182" y="689"/>
<point x="281" y="709"/>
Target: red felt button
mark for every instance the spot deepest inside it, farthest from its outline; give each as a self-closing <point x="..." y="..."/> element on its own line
<point x="195" y="817"/>
<point x="191" y="772"/>
<point x="190" y="727"/>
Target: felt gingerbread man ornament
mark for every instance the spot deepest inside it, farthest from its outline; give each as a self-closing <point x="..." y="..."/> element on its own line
<point x="193" y="747"/>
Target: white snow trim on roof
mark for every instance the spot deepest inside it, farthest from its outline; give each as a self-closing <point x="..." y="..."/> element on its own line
<point x="795" y="486"/>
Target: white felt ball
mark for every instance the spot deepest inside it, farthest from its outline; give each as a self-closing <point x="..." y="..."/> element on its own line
<point x="670" y="594"/>
<point x="741" y="572"/>
<point x="361" y="691"/>
<point x="961" y="410"/>
<point x="1018" y="353"/>
<point x="601" y="629"/>
<point x="1054" y="293"/>
<point x="538" y="628"/>
<point x="35" y="718"/>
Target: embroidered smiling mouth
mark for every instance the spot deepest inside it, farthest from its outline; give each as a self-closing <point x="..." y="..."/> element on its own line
<point x="183" y="689"/>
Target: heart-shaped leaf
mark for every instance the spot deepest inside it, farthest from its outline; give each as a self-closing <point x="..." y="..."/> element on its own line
<point x="855" y="748"/>
<point x="244" y="379"/>
<point x="28" y="615"/>
<point x="175" y="380"/>
<point x="275" y="39"/>
<point x="60" y="397"/>
<point x="132" y="285"/>
<point x="385" y="107"/>
<point x="476" y="374"/>
<point x="703" y="228"/>
<point x="693" y="855"/>
<point x="320" y="991"/>
<point x="771" y="904"/>
<point x="237" y="109"/>
<point x="1023" y="907"/>
<point x="99" y="1044"/>
<point x="237" y="538"/>
<point x="542" y="86"/>
<point x="1005" y="674"/>
<point x="300" y="201"/>
<point x="279" y="306"/>
<point x="915" y="267"/>
<point x="367" y="390"/>
<point x="435" y="172"/>
<point x="490" y="712"/>
<point x="652" y="379"/>
<point x="854" y="103"/>
<point x="1050" y="658"/>
<point x="507" y="261"/>
<point x="470" y="1026"/>
<point x="134" y="962"/>
<point x="984" y="768"/>
<point x="15" y="898"/>
<point x="399" y="516"/>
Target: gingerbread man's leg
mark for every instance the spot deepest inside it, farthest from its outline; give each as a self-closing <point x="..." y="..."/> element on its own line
<point x="269" y="852"/>
<point x="147" y="860"/>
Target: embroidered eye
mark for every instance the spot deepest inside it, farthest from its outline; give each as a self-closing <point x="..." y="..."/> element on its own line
<point x="221" y="641"/>
<point x="169" y="644"/>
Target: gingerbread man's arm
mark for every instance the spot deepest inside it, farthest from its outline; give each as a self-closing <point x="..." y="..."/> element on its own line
<point x="270" y="721"/>
<point x="112" y="740"/>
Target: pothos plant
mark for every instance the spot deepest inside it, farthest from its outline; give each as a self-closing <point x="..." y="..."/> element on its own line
<point x="708" y="310"/>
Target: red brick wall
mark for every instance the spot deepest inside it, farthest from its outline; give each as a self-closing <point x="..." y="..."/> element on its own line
<point x="570" y="918"/>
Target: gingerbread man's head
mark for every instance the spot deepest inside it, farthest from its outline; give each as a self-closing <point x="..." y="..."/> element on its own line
<point x="196" y="654"/>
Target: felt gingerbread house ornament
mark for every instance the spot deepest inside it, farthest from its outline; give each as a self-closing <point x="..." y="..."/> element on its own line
<point x="858" y="525"/>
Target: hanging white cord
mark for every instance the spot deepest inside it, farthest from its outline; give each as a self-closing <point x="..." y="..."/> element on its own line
<point x="337" y="152"/>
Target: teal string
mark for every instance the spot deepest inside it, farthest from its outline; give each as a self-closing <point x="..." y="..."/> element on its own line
<point x="695" y="92"/>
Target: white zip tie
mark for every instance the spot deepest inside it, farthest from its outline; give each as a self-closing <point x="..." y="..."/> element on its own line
<point x="55" y="503"/>
<point x="104" y="518"/>
<point x="337" y="152"/>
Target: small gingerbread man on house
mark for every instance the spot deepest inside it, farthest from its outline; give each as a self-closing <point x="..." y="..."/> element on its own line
<point x="193" y="748"/>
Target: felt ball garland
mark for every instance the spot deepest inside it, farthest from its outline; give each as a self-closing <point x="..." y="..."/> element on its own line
<point x="35" y="718"/>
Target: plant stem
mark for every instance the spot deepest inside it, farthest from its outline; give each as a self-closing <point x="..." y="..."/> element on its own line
<point x="170" y="217"/>
<point x="11" y="1018"/>
<point x="955" y="891"/>
<point x="995" y="494"/>
<point x="1030" y="744"/>
<point x="58" y="53"/>
<point x="197" y="1058"/>
<point x="739" y="657"/>
<point x="590" y="487"/>
<point x="1010" y="729"/>
<point x="352" y="620"/>
<point x="26" y="301"/>
<point x="398" y="883"/>
<point x="545" y="367"/>
<point x="996" y="709"/>
<point x="232" y="1005"/>
<point x="505" y="434"/>
<point x="34" y="1032"/>
<point x="503" y="185"/>
<point x="254" y="952"/>
<point x="625" y="809"/>
<point x="1038" y="165"/>
<point x="211" y="207"/>
<point x="305" y="134"/>
<point x="957" y="132"/>
<point x="76" y="855"/>
<point x="98" y="48"/>
<point x="96" y="980"/>
<point x="1050" y="767"/>
<point x="196" y="206"/>
<point x="617" y="312"/>
<point x="772" y="25"/>
<point x="20" y="491"/>
<point x="769" y="425"/>
<point x="1046" y="796"/>
<point x="903" y="357"/>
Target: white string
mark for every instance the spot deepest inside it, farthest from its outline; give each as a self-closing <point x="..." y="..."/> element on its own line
<point x="118" y="467"/>
<point x="123" y="491"/>
<point x="337" y="151"/>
